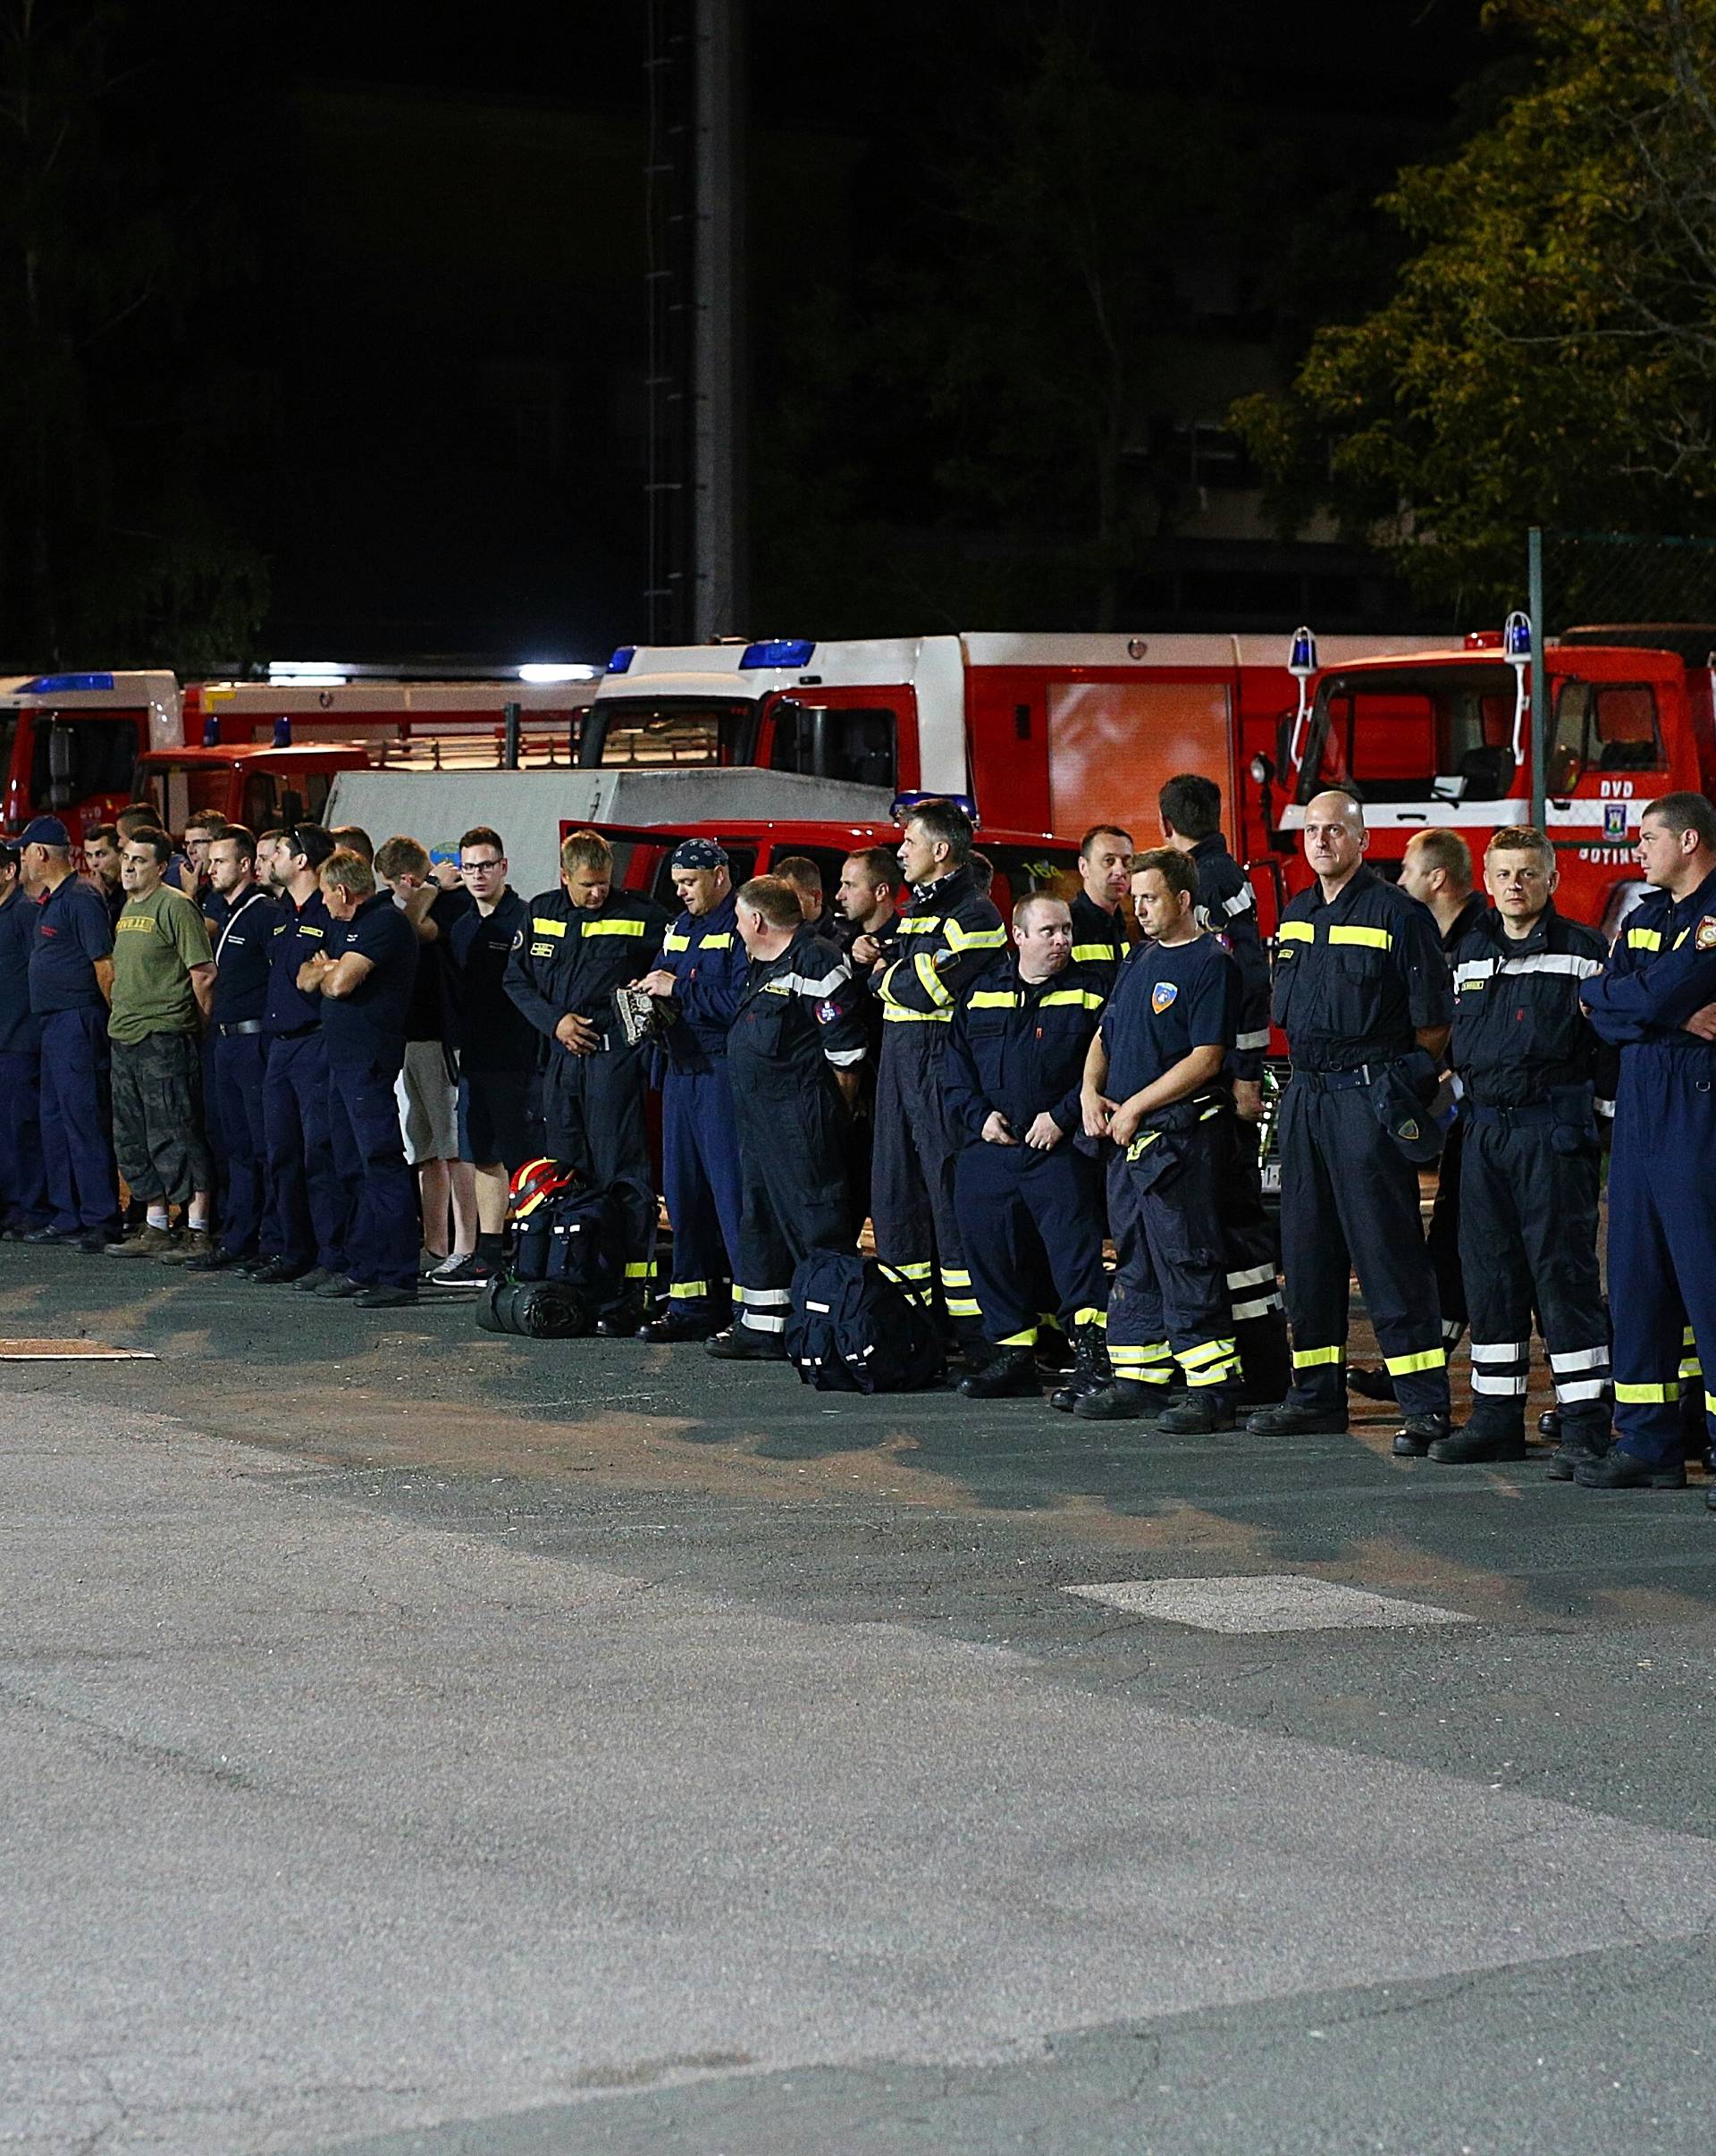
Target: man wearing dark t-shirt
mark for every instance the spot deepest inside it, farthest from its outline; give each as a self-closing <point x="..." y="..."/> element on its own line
<point x="364" y="981"/>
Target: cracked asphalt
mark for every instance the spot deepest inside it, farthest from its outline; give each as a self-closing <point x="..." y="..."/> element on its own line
<point x="422" y="1742"/>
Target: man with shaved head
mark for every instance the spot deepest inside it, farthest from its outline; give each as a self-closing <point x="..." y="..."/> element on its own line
<point x="1362" y="992"/>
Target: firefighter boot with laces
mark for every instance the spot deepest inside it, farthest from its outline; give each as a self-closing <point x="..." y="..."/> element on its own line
<point x="1090" y="1370"/>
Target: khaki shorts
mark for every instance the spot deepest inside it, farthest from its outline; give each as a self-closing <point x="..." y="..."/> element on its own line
<point x="428" y="1102"/>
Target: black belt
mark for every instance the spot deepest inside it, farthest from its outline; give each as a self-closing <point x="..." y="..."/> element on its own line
<point x="1340" y="1082"/>
<point x="1511" y="1118"/>
<point x="241" y="1025"/>
<point x="297" y="1033"/>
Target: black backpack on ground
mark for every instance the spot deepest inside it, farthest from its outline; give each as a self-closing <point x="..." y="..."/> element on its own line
<point x="852" y="1331"/>
<point x="565" y="1264"/>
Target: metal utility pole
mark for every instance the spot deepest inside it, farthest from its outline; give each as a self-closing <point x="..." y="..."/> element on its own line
<point x="1539" y="686"/>
<point x="719" y="356"/>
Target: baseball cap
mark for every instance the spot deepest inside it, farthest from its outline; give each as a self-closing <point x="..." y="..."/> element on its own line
<point x="44" y="831"/>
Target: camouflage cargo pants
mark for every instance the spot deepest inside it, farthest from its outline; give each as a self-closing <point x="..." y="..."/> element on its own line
<point x="158" y="1138"/>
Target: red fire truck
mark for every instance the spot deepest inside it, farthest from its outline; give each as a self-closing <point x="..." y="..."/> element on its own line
<point x="1444" y="739"/>
<point x="69" y="743"/>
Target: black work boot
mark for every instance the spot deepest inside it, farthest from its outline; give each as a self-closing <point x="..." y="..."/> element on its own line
<point x="1484" y="1438"/>
<point x="1419" y="1433"/>
<point x="1011" y="1374"/>
<point x="1122" y="1400"/>
<point x="1090" y="1372"/>
<point x="1618" y="1470"/>
<point x="624" y="1321"/>
<point x="1371" y="1384"/>
<point x="1205" y="1408"/>
<point x="1579" y="1440"/>
<point x="744" y="1342"/>
<point x="1293" y="1419"/>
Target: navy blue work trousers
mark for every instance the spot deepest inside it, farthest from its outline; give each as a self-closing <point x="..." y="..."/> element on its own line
<point x="239" y="1064"/>
<point x="310" y="1206"/>
<point x="23" y="1186"/>
<point x="699" y="1177"/>
<point x="77" y="1119"/>
<point x="385" y="1232"/>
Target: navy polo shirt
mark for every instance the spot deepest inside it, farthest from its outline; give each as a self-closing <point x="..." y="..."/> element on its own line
<point x="20" y="1032"/>
<point x="493" y="1033"/>
<point x="1170" y="998"/>
<point x="368" y="1026"/>
<point x="243" y="958"/>
<point x="73" y="928"/>
<point x="298" y="932"/>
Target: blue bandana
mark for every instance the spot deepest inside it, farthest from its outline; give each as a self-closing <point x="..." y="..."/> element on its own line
<point x="698" y="853"/>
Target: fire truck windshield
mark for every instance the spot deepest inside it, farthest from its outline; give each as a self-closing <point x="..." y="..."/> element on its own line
<point x="648" y="730"/>
<point x="1412" y="734"/>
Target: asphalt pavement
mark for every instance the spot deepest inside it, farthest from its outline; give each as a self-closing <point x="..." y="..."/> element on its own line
<point x="423" y="1742"/>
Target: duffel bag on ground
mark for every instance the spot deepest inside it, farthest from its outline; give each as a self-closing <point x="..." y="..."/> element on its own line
<point x="852" y="1330"/>
<point x="535" y="1310"/>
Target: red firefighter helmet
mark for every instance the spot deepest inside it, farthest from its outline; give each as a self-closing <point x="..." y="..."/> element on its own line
<point x="535" y="1182"/>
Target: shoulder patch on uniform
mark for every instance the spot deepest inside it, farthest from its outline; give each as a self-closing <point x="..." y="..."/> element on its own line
<point x="827" y="1012"/>
<point x="1163" y="994"/>
<point x="1706" y="940"/>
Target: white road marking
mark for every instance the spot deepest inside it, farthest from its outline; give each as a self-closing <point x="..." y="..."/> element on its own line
<point x="1270" y="1602"/>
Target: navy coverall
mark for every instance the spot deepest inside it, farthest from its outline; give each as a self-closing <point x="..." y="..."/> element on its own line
<point x="500" y="1089"/>
<point x="363" y="1036"/>
<point x="570" y="959"/>
<point x="73" y="929"/>
<point x="947" y="934"/>
<point x="306" y="1222"/>
<point x="23" y="1187"/>
<point x="799" y="1019"/>
<point x="1017" y="1046"/>
<point x="1170" y="1301"/>
<point x="1663" y="1174"/>
<point x="1443" y="1236"/>
<point x="1355" y="980"/>
<point x="1230" y="905"/>
<point x="1100" y="940"/>
<point x="1528" y="1064"/>
<point x="700" y="1143"/>
<point x="237" y="1064"/>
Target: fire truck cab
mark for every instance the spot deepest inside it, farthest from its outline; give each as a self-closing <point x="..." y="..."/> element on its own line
<point x="260" y="788"/>
<point x="1444" y="739"/>
<point x="70" y="743"/>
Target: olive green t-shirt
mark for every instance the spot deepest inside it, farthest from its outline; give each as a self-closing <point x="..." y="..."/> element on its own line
<point x="156" y="941"/>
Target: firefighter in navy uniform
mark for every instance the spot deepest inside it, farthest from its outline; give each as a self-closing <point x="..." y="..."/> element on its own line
<point x="947" y="934"/>
<point x="1028" y="1194"/>
<point x="1656" y="1002"/>
<point x="867" y="912"/>
<point x="1363" y="994"/>
<point x="1154" y="1083"/>
<point x="1530" y="1067"/>
<point x="577" y="945"/>
<point x="1190" y="808"/>
<point x="303" y="1235"/>
<point x="1100" y="936"/>
<point x="702" y="968"/>
<point x="237" y="1046"/>
<point x="793" y="1051"/>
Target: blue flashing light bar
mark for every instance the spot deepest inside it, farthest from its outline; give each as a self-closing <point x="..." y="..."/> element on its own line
<point x="1516" y="639"/>
<point x="621" y="661"/>
<point x="284" y="730"/>
<point x="903" y="805"/>
<point x="778" y="651"/>
<point x="212" y="731"/>
<point x="66" y="685"/>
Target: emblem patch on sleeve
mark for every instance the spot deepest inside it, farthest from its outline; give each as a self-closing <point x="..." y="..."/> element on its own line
<point x="1706" y="940"/>
<point x="1163" y="994"/>
<point x="827" y="1012"/>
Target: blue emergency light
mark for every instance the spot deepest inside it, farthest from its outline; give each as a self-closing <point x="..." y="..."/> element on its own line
<point x="1516" y="639"/>
<point x="621" y="661"/>
<point x="66" y="685"/>
<point x="778" y="651"/>
<point x="284" y="730"/>
<point x="1302" y="660"/>
<point x="903" y="805"/>
<point x="211" y="731"/>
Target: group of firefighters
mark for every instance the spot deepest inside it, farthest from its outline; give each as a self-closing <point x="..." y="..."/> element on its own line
<point x="1003" y="1101"/>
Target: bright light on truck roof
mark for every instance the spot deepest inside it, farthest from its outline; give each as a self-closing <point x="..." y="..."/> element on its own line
<point x="285" y="671"/>
<point x="546" y="672"/>
<point x="621" y="661"/>
<point x="66" y="685"/>
<point x="778" y="651"/>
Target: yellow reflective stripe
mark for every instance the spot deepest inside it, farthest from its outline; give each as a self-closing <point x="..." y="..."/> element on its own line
<point x="1681" y="937"/>
<point x="1644" y="939"/>
<point x="1158" y="1352"/>
<point x="1691" y="1367"/>
<point x="1214" y="1373"/>
<point x="613" y="927"/>
<point x="1082" y="998"/>
<point x="1210" y="1351"/>
<point x="951" y="1277"/>
<point x="1028" y="1338"/>
<point x="547" y="928"/>
<point x="1710" y="1403"/>
<point x="925" y="967"/>
<point x="688" y="1289"/>
<point x="1093" y="954"/>
<point x="1296" y="932"/>
<point x="961" y="1306"/>
<point x="672" y="942"/>
<point x="723" y="942"/>
<point x="995" y="999"/>
<point x="902" y="1017"/>
<point x="1138" y="1145"/>
<point x="974" y="939"/>
<point x="926" y="924"/>
<point x="1403" y="1365"/>
<point x="1305" y="1358"/>
<point x="1091" y="1315"/>
<point x="1646" y="1396"/>
<point x="1689" y="1338"/>
<point x="1373" y="939"/>
<point x="641" y="1269"/>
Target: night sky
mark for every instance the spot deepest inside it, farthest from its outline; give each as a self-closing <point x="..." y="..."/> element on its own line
<point x="384" y="397"/>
